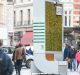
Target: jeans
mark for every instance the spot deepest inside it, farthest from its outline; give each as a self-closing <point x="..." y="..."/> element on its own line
<point x="18" y="66"/>
<point x="72" y="64"/>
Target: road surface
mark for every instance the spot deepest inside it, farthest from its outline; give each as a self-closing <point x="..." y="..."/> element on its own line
<point x="26" y="71"/>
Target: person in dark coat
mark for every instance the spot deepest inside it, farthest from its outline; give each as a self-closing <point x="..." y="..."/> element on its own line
<point x="7" y="63"/>
<point x="66" y="51"/>
<point x="71" y="56"/>
<point x="19" y="57"/>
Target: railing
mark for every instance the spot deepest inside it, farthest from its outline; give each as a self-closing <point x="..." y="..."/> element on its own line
<point x="24" y="2"/>
<point x="23" y="24"/>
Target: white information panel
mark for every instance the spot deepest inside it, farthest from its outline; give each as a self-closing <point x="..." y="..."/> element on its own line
<point x="39" y="25"/>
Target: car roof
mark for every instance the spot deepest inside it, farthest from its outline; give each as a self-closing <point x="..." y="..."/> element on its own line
<point x="7" y="46"/>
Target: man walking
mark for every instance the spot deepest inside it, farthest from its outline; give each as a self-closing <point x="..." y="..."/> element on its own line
<point x="71" y="56"/>
<point x="19" y="56"/>
<point x="6" y="66"/>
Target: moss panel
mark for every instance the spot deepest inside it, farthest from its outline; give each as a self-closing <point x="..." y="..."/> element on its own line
<point x="53" y="28"/>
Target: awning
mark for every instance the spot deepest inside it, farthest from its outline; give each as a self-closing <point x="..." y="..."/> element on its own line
<point x="27" y="38"/>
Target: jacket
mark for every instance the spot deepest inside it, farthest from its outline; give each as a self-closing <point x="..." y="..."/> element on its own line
<point x="8" y="66"/>
<point x="72" y="54"/>
<point x="66" y="51"/>
<point x="19" y="54"/>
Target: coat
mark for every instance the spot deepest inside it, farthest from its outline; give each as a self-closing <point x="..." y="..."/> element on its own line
<point x="19" y="54"/>
<point x="8" y="66"/>
<point x="66" y="51"/>
<point x="72" y="54"/>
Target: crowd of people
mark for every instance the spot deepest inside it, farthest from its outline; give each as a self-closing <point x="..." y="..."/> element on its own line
<point x="19" y="55"/>
<point x="72" y="56"/>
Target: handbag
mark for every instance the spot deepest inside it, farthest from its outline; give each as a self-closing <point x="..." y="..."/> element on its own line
<point x="68" y="60"/>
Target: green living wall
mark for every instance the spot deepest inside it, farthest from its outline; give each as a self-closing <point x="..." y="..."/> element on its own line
<point x="53" y="28"/>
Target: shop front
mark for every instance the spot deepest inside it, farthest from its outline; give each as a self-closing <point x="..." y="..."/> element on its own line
<point x="27" y="38"/>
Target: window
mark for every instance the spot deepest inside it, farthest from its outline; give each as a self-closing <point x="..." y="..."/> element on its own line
<point x="29" y="0"/>
<point x="21" y="17"/>
<point x="28" y="16"/>
<point x="1" y="13"/>
<point x="21" y="0"/>
<point x="14" y="18"/>
<point x="9" y="0"/>
<point x="65" y="20"/>
<point x="14" y="1"/>
<point x="69" y="12"/>
<point x="69" y="20"/>
<point x="65" y="12"/>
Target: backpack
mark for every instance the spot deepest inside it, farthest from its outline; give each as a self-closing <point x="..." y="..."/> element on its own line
<point x="1" y="64"/>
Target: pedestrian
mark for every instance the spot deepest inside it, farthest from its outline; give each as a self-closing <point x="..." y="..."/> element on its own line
<point x="13" y="56"/>
<point x="6" y="66"/>
<point x="66" y="51"/>
<point x="65" y="55"/>
<point x="19" y="57"/>
<point x="29" y="51"/>
<point x="71" y="56"/>
<point x="78" y="57"/>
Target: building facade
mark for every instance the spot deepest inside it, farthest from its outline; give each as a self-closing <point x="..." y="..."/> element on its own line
<point x="23" y="19"/>
<point x="6" y="21"/>
<point x="68" y="21"/>
<point x="10" y="22"/>
<point x="76" y="21"/>
<point x="71" y="21"/>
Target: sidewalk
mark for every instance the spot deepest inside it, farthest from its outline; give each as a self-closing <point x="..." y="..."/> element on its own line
<point x="24" y="71"/>
<point x="73" y="73"/>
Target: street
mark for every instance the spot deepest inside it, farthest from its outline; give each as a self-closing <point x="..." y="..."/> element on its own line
<point x="73" y="73"/>
<point x="26" y="71"/>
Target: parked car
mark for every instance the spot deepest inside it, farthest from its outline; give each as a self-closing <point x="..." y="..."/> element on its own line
<point x="28" y="51"/>
<point x="8" y="50"/>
